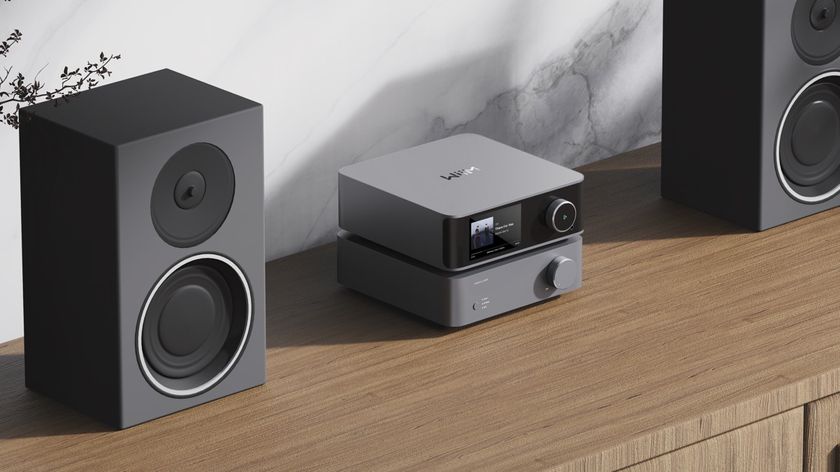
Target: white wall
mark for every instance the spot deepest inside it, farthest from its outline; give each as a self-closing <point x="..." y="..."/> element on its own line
<point x="572" y="81"/>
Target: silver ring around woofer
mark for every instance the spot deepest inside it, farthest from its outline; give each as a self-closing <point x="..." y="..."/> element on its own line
<point x="218" y="377"/>
<point x="779" y="171"/>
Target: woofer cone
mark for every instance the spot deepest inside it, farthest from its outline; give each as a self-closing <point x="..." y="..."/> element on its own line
<point x="194" y="325"/>
<point x="807" y="151"/>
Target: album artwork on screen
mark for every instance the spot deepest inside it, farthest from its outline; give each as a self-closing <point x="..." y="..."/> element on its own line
<point x="495" y="232"/>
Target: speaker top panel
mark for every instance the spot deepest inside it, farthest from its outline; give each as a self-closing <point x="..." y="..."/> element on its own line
<point x="141" y="107"/>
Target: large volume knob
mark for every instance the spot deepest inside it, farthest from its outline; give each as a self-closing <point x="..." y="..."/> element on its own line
<point x="562" y="273"/>
<point x="561" y="215"/>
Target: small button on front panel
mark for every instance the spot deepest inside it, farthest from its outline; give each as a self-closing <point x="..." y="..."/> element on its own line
<point x="482" y="304"/>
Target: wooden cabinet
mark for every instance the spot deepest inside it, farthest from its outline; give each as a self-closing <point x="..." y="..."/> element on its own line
<point x="806" y="438"/>
<point x="771" y="445"/>
<point x="822" y="428"/>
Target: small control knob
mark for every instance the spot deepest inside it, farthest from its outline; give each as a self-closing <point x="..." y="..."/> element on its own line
<point x="562" y="273"/>
<point x="561" y="215"/>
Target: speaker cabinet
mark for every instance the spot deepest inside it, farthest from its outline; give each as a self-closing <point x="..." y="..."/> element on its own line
<point x="751" y="108"/>
<point x="143" y="247"/>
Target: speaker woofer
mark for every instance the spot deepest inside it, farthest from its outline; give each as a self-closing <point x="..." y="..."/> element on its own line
<point x="194" y="325"/>
<point x="808" y="141"/>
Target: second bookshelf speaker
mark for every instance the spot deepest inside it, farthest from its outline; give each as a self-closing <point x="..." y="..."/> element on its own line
<point x="143" y="259"/>
<point x="751" y="110"/>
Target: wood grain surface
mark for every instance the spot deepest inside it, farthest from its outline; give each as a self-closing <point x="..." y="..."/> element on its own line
<point x="771" y="445"/>
<point x="686" y="328"/>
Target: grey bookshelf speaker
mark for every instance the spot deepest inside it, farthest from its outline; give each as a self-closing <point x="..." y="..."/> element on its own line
<point x="751" y="109"/>
<point x="143" y="259"/>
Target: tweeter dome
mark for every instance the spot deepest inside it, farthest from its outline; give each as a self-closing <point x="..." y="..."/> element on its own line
<point x="751" y="109"/>
<point x="143" y="259"/>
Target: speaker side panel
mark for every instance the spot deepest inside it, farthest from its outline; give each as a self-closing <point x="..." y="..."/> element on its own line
<point x="145" y="256"/>
<point x="711" y="137"/>
<point x="70" y="292"/>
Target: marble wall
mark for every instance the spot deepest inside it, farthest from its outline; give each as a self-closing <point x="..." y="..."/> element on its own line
<point x="343" y="81"/>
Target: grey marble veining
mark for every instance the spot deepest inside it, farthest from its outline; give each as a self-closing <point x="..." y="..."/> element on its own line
<point x="564" y="113"/>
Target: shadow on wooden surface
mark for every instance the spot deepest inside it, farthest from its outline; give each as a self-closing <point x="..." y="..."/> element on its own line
<point x="622" y="203"/>
<point x="31" y="415"/>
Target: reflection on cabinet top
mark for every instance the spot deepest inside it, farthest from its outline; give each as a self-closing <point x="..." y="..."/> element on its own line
<point x="686" y="327"/>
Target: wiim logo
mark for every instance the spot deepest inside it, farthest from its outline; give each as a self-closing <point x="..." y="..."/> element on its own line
<point x="461" y="173"/>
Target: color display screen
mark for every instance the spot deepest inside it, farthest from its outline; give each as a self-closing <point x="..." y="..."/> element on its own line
<point x="494" y="232"/>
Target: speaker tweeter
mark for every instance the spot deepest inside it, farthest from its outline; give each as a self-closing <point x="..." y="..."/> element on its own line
<point x="192" y="195"/>
<point x="816" y="33"/>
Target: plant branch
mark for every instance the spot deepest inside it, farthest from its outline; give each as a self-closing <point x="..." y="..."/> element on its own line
<point x="73" y="81"/>
<point x="13" y="39"/>
<point x="16" y="90"/>
<point x="6" y="75"/>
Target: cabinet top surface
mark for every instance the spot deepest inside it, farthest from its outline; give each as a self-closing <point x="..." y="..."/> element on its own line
<point x="686" y="327"/>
